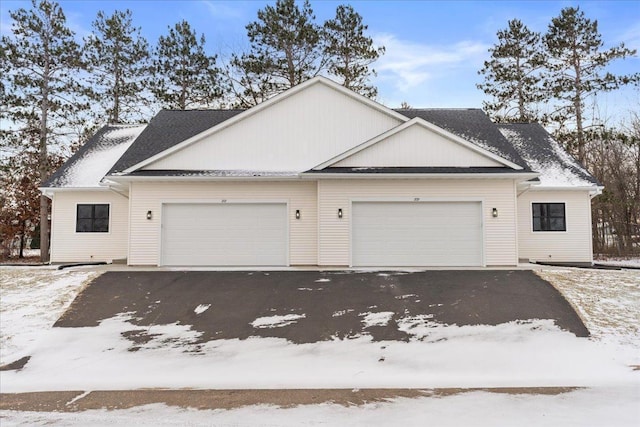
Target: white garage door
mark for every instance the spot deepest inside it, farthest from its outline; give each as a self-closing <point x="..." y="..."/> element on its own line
<point x="224" y="234"/>
<point x="417" y="234"/>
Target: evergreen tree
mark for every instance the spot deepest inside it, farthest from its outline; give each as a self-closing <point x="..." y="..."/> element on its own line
<point x="512" y="75"/>
<point x="350" y="51"/>
<point x="117" y="56"/>
<point x="285" y="51"/>
<point x="43" y="62"/>
<point x="577" y="64"/>
<point x="185" y="76"/>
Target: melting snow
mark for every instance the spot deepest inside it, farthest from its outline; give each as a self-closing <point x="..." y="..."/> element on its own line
<point x="276" y="321"/>
<point x="322" y="280"/>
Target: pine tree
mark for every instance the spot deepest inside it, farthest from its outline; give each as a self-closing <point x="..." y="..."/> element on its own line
<point x="43" y="62"/>
<point x="185" y="76"/>
<point x="577" y="63"/>
<point x="350" y="51"/>
<point x="513" y="73"/>
<point x="285" y="51"/>
<point x="117" y="57"/>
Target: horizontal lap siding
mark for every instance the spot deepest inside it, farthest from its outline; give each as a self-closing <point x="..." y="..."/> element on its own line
<point x="574" y="245"/>
<point x="69" y="246"/>
<point x="500" y="233"/>
<point x="144" y="246"/>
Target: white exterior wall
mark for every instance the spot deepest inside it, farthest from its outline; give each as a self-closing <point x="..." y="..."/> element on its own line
<point x="295" y="134"/>
<point x="144" y="244"/>
<point x="500" y="239"/>
<point x="573" y="245"/>
<point x="69" y="246"/>
<point x="417" y="146"/>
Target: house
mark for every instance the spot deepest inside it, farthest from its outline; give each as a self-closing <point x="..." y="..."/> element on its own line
<point x="321" y="176"/>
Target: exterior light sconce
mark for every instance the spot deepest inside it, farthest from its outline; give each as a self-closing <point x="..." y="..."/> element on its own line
<point x="494" y="212"/>
<point x="339" y="213"/>
<point x="149" y="215"/>
<point x="297" y="213"/>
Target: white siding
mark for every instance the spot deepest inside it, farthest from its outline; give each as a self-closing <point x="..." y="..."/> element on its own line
<point x="144" y="244"/>
<point x="417" y="146"/>
<point x="295" y="134"/>
<point x="69" y="246"/>
<point x="499" y="233"/>
<point x="574" y="245"/>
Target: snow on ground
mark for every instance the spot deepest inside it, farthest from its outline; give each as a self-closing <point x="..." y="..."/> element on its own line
<point x="32" y="299"/>
<point x="201" y="308"/>
<point x="620" y="262"/>
<point x="590" y="407"/>
<point x="518" y="354"/>
<point x="608" y="301"/>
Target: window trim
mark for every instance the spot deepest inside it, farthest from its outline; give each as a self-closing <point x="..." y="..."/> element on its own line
<point x="91" y="233"/>
<point x="546" y="202"/>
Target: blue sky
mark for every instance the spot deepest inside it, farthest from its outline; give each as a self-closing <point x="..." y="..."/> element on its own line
<point x="434" y="49"/>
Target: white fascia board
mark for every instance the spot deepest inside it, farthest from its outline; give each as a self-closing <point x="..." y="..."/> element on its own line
<point x="567" y="188"/>
<point x="518" y="176"/>
<point x="266" y="104"/>
<point x="66" y="189"/>
<point x="427" y="125"/>
<point x="125" y="178"/>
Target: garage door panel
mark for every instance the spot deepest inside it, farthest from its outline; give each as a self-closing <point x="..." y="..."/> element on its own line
<point x="417" y="234"/>
<point x="225" y="234"/>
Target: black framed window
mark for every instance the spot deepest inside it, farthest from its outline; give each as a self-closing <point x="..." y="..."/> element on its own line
<point x="549" y="217"/>
<point x="92" y="218"/>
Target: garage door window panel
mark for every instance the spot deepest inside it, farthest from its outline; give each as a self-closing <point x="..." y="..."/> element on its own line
<point x="549" y="217"/>
<point x="92" y="218"/>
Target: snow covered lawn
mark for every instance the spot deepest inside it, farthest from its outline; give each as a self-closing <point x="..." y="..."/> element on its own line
<point x="532" y="353"/>
<point x="31" y="300"/>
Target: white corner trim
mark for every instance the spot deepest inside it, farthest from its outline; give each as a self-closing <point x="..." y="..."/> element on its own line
<point x="266" y="104"/>
<point x="417" y="121"/>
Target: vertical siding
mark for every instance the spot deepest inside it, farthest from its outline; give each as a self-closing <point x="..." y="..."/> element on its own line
<point x="574" y="245"/>
<point x="144" y="244"/>
<point x="294" y="134"/>
<point x="500" y="233"/>
<point x="69" y="246"/>
<point x="417" y="146"/>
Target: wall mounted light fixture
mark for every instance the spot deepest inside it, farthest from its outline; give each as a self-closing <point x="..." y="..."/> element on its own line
<point x="339" y="213"/>
<point x="494" y="212"/>
<point x="149" y="215"/>
<point x="297" y="213"/>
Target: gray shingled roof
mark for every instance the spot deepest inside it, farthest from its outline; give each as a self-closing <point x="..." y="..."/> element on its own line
<point x="545" y="155"/>
<point x="471" y="124"/>
<point x="169" y="128"/>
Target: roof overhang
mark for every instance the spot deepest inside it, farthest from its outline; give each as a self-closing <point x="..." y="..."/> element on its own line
<point x="521" y="176"/>
<point x="48" y="191"/>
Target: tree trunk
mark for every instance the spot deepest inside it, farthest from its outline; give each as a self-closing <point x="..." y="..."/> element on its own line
<point x="44" y="229"/>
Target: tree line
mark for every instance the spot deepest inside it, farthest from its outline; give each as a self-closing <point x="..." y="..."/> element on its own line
<point x="555" y="79"/>
<point x="55" y="90"/>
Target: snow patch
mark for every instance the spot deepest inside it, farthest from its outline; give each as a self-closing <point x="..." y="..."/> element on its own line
<point x="381" y="318"/>
<point x="322" y="280"/>
<point x="276" y="321"/>
<point x="201" y="308"/>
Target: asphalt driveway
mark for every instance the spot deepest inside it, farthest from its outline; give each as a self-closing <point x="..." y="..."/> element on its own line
<point x="314" y="306"/>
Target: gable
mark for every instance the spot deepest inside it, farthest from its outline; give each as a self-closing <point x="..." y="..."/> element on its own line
<point x="417" y="146"/>
<point x="292" y="133"/>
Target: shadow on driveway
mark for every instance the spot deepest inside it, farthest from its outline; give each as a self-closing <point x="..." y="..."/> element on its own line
<point x="317" y="305"/>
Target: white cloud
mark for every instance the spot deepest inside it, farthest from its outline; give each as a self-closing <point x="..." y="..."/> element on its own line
<point x="410" y="64"/>
<point x="223" y="10"/>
